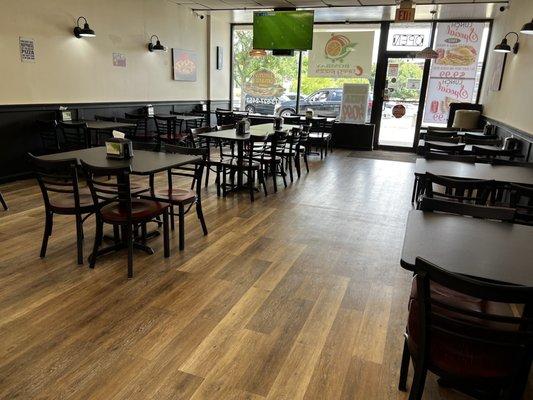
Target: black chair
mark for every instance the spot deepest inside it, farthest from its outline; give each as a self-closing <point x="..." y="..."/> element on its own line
<point x="184" y="199"/>
<point x="269" y="157"/>
<point x="3" y="202"/>
<point x="49" y="138"/>
<point x="483" y="141"/>
<point x="75" y="135"/>
<point x="224" y="117"/>
<point x="62" y="195"/>
<point x="167" y="130"/>
<point x="463" y="330"/>
<point x="118" y="207"/>
<point x="319" y="137"/>
<point x="131" y="133"/>
<point x="445" y="139"/>
<point x="489" y="154"/>
<point x="142" y="133"/>
<point x="472" y="210"/>
<point x="104" y="118"/>
<point x="521" y="198"/>
<point x="467" y="158"/>
<point x="443" y="148"/>
<point x="473" y="191"/>
<point x="290" y="154"/>
<point x="292" y="120"/>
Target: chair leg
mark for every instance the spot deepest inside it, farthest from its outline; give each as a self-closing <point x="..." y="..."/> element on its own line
<point x="49" y="222"/>
<point x="419" y="381"/>
<point x="79" y="239"/>
<point x="181" y="226"/>
<point x="261" y="177"/>
<point x="116" y="234"/>
<point x="172" y="217"/>
<point x="201" y="216"/>
<point x="404" y="369"/>
<point x="326" y="148"/>
<point x="306" y="163"/>
<point x="99" y="233"/>
<point x="274" y="173"/>
<point x="128" y="233"/>
<point x="166" y="234"/>
<point x="251" y="181"/>
<point x="289" y="164"/>
<point x="321" y="152"/>
<point x="415" y="184"/>
<point x="3" y="201"/>
<point x="297" y="165"/>
<point x="284" y="177"/>
<point x="207" y="176"/>
<point x="218" y="181"/>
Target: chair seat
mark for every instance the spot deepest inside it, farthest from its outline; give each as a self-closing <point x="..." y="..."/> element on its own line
<point x="234" y="162"/>
<point x="318" y="135"/>
<point x="183" y="196"/>
<point x="141" y="210"/>
<point x="65" y="203"/>
<point x="462" y="357"/>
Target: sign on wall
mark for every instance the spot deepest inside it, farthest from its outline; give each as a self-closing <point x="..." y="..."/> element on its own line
<point x="185" y="65"/>
<point x="453" y="74"/>
<point x="354" y="103"/>
<point x="119" y="60"/>
<point x="341" y="54"/>
<point x="27" y="49"/>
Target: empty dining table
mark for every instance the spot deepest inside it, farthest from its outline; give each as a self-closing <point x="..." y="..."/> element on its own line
<point x="485" y="249"/>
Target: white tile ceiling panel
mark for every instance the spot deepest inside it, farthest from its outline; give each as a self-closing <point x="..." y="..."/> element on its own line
<point x="353" y="3"/>
<point x="378" y="2"/>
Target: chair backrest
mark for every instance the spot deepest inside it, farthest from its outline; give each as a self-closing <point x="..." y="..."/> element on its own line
<point x="278" y="143"/>
<point x="483" y="141"/>
<point x="75" y="135"/>
<point x="472" y="210"/>
<point x="48" y="133"/>
<point x="133" y="132"/>
<point x="490" y="153"/>
<point x="104" y="118"/>
<point x="224" y="117"/>
<point x="318" y="124"/>
<point x="444" y="148"/>
<point x="432" y="317"/>
<point x="196" y="141"/>
<point x="195" y="171"/>
<point x="442" y="132"/>
<point x="446" y="139"/>
<point x="292" y="120"/>
<point x="450" y="157"/>
<point x="104" y="191"/>
<point x="521" y="198"/>
<point x="462" y="106"/>
<point x="56" y="176"/>
<point x="166" y="127"/>
<point x="474" y="191"/>
<point x="141" y="121"/>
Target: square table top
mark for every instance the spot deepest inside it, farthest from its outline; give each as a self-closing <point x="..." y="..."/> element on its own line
<point x="498" y="251"/>
<point x="142" y="163"/>
<point x="260" y="130"/>
<point x="454" y="169"/>
<point x="104" y="125"/>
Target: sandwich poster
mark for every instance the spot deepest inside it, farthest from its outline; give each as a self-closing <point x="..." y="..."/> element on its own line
<point x="452" y="75"/>
<point x="341" y="54"/>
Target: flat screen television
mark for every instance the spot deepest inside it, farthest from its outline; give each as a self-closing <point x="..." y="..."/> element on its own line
<point x="283" y="30"/>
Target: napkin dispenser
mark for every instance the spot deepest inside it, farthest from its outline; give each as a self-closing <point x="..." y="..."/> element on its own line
<point x="119" y="148"/>
<point x="278" y="123"/>
<point x="243" y="127"/>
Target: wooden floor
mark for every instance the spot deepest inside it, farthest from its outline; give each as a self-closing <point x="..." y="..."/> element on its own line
<point x="297" y="296"/>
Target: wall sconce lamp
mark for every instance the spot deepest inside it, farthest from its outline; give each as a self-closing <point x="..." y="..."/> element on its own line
<point x="527" y="29"/>
<point x="157" y="46"/>
<point x="85" y="31"/>
<point x="504" y="47"/>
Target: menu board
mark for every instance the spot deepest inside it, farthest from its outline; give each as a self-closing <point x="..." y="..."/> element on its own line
<point x="453" y="74"/>
<point x="354" y="103"/>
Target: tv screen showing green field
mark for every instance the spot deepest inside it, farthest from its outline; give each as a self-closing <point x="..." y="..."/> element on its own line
<point x="283" y="30"/>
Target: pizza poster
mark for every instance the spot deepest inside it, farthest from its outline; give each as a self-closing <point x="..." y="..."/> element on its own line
<point x="341" y="54"/>
<point x="452" y="75"/>
<point x="354" y="103"/>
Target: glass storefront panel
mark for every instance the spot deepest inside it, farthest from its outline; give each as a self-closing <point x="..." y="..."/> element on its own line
<point x="410" y="36"/>
<point x="260" y="80"/>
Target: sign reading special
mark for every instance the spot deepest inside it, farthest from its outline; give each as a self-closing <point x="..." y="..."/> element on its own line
<point x="341" y="54"/>
<point x="354" y="103"/>
<point x="452" y="75"/>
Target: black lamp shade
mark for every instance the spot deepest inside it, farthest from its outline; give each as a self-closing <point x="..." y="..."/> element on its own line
<point x="503" y="47"/>
<point x="527" y="29"/>
<point x="157" y="46"/>
<point x="86" y="31"/>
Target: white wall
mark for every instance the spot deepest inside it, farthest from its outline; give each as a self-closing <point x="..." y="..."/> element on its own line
<point x="512" y="105"/>
<point x="70" y="70"/>
<point x="220" y="32"/>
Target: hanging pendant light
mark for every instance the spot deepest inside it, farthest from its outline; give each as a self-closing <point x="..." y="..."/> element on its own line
<point x="257" y="53"/>
<point x="428" y="53"/>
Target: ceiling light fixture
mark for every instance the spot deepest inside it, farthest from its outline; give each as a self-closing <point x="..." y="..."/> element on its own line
<point x="85" y="31"/>
<point x="527" y="29"/>
<point x="157" y="46"/>
<point x="504" y="47"/>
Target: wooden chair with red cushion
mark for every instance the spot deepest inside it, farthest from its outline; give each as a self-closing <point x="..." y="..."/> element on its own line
<point x="118" y="207"/>
<point x="183" y="198"/>
<point x="464" y="331"/>
<point x="58" y="181"/>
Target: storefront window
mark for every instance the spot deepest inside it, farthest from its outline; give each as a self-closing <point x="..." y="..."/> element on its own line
<point x="260" y="80"/>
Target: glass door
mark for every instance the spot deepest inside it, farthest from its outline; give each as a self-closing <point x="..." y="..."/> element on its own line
<point x="401" y="99"/>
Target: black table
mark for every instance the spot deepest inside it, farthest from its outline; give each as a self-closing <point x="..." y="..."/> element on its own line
<point x="454" y="169"/>
<point x="102" y="126"/>
<point x="467" y="149"/>
<point x="261" y="130"/>
<point x="484" y="249"/>
<point x="142" y="163"/>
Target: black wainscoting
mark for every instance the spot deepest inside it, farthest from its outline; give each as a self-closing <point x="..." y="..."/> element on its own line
<point x="503" y="130"/>
<point x="18" y="133"/>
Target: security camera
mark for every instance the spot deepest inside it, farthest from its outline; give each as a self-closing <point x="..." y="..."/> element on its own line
<point x="198" y="15"/>
<point x="503" y="8"/>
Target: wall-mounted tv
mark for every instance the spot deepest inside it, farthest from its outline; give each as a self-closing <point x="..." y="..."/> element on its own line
<point x="283" y="30"/>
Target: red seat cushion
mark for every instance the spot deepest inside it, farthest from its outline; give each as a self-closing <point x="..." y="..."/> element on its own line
<point x="176" y="195"/>
<point x="458" y="356"/>
<point x="141" y="209"/>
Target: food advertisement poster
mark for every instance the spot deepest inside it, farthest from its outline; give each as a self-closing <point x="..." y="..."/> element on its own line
<point x="354" y="103"/>
<point x="119" y="60"/>
<point x="452" y="75"/>
<point x="185" y="65"/>
<point x="341" y="54"/>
